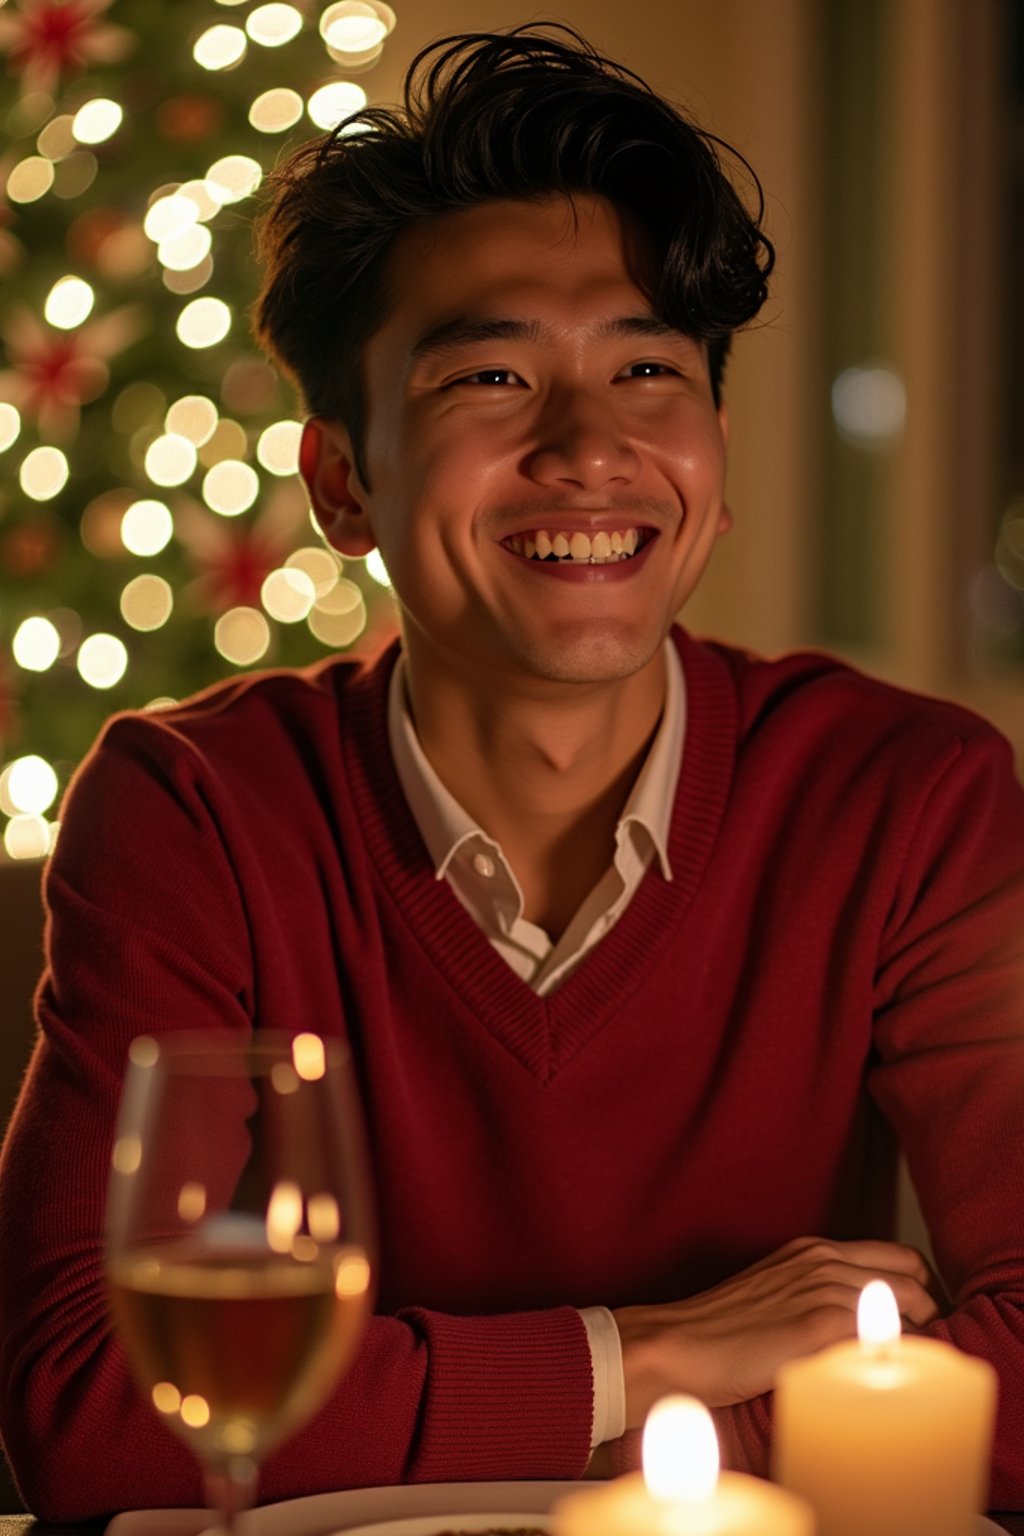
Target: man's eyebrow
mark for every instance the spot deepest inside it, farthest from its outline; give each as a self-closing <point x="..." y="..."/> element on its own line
<point x="642" y="325"/>
<point x="468" y="329"/>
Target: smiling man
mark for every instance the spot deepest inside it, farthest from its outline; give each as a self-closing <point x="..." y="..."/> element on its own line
<point x="650" y="952"/>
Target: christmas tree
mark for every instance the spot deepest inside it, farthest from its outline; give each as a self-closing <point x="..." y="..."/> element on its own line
<point x="154" y="535"/>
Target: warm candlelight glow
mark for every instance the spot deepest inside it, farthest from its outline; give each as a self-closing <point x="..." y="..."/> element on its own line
<point x="680" y="1451"/>
<point x="878" y="1317"/>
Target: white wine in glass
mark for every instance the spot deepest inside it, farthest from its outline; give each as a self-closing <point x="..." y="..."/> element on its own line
<point x="239" y="1240"/>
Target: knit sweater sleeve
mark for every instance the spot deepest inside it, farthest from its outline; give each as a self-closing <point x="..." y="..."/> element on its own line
<point x="948" y="1073"/>
<point x="147" y="933"/>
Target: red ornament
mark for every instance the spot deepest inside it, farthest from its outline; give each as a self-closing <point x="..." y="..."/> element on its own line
<point x="48" y="39"/>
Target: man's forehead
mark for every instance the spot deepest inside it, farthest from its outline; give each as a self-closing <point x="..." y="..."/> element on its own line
<point x="527" y="263"/>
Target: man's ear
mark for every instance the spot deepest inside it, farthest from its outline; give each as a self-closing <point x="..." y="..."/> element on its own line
<point x="338" y="497"/>
<point x="725" y="516"/>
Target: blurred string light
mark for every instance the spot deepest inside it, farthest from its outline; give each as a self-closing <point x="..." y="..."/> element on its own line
<point x="36" y="644"/>
<point x="333" y="102"/>
<point x="147" y="602"/>
<point x="242" y="636"/>
<point x="146" y="528"/>
<point x="220" y="47"/>
<point x="69" y="303"/>
<point x="43" y="473"/>
<point x="10" y="425"/>
<point x="230" y="487"/>
<point x="102" y="660"/>
<point x="276" y="110"/>
<point x="223" y="447"/>
<point x="273" y="25"/>
<point x="30" y="179"/>
<point x="203" y="322"/>
<point x="869" y="405"/>
<point x="97" y="121"/>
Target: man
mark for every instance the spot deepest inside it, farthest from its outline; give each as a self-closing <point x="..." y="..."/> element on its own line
<point x="645" y="947"/>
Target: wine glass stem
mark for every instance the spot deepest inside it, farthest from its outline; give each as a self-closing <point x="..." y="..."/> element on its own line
<point x="231" y="1490"/>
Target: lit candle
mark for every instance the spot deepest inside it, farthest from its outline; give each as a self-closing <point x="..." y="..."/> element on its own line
<point x="884" y="1434"/>
<point x="680" y="1491"/>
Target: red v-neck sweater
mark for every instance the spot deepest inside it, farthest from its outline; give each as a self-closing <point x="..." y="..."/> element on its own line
<point x="839" y="959"/>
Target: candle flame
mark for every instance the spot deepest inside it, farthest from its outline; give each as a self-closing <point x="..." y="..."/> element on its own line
<point x="878" y="1317"/>
<point x="680" y="1451"/>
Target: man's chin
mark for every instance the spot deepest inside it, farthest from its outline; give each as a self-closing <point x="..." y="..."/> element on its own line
<point x="588" y="659"/>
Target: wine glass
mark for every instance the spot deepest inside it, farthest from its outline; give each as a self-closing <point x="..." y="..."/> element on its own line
<point x="240" y="1245"/>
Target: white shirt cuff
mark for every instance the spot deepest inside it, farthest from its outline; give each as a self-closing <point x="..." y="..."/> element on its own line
<point x="609" y="1382"/>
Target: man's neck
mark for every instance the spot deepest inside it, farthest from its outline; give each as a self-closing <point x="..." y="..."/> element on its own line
<point x="545" y="771"/>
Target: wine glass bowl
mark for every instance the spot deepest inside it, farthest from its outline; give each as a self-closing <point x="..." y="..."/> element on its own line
<point x="239" y="1240"/>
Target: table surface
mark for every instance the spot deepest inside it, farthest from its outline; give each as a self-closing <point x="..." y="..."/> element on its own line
<point x="24" y="1525"/>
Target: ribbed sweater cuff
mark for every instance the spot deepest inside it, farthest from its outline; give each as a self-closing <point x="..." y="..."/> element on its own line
<point x="507" y="1396"/>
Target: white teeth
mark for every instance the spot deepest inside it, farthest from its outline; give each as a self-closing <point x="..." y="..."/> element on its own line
<point x="580" y="548"/>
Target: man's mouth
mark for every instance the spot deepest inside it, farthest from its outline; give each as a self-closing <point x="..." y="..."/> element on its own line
<point x="577" y="548"/>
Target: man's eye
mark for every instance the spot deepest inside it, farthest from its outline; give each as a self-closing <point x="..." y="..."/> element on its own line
<point x="649" y="370"/>
<point x="492" y="376"/>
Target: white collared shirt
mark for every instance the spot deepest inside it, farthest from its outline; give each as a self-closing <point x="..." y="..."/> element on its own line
<point x="483" y="880"/>
<point x="485" y="883"/>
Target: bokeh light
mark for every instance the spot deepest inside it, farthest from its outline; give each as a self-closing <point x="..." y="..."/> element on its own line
<point x="147" y="527"/>
<point x="242" y="636"/>
<point x="170" y="216"/>
<point x="376" y="568"/>
<point x="28" y="837"/>
<point x="69" y="303"/>
<point x="185" y="251"/>
<point x="220" y="47"/>
<point x="230" y="487"/>
<point x="278" y="447"/>
<point x="204" y="322"/>
<point x="97" y="121"/>
<point x="274" y="24"/>
<point x="332" y="103"/>
<point x="869" y="405"/>
<point x="276" y="110"/>
<point x="31" y="785"/>
<point x="170" y="459"/>
<point x="44" y="473"/>
<point x="288" y="594"/>
<point x="194" y="417"/>
<point x="102" y="661"/>
<point x="36" y="644"/>
<point x="322" y="566"/>
<point x="30" y="179"/>
<point x="147" y="602"/>
<point x="10" y="425"/>
<point x="233" y="177"/>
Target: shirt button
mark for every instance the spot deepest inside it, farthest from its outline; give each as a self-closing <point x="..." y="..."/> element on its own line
<point x="483" y="865"/>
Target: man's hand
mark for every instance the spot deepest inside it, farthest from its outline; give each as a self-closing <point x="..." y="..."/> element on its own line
<point x="726" y="1344"/>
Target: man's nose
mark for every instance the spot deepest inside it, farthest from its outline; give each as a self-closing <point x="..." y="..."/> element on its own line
<point x="581" y="443"/>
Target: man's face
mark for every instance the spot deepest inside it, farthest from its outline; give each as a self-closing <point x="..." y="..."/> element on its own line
<point x="524" y="399"/>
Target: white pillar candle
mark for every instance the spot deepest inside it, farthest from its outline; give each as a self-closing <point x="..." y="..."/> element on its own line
<point x="885" y="1434"/>
<point x="681" y="1491"/>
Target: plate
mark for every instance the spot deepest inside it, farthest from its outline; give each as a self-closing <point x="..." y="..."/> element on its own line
<point x="414" y="1509"/>
<point x="459" y="1525"/>
<point x="432" y="1506"/>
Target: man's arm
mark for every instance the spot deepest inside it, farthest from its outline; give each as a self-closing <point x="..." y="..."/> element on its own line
<point x="147" y="932"/>
<point x="949" y="1075"/>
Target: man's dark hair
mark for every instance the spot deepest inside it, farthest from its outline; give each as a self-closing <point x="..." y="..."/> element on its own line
<point x="523" y="114"/>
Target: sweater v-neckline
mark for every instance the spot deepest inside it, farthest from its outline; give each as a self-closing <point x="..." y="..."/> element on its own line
<point x="543" y="1033"/>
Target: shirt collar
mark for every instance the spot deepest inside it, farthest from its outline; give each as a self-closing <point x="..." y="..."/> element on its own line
<point x="445" y="826"/>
